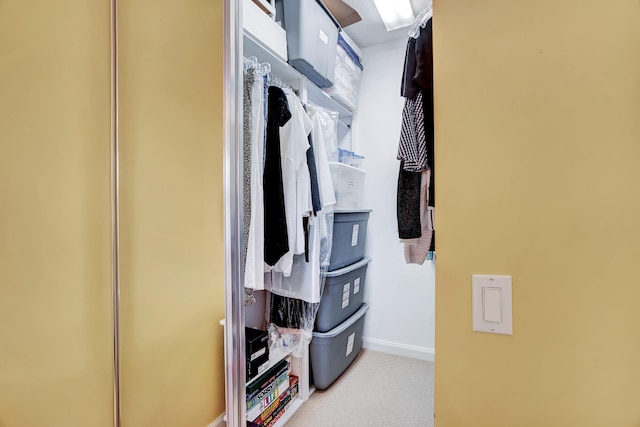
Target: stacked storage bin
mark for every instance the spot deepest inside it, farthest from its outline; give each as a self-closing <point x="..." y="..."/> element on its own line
<point x="340" y="319"/>
<point x="315" y="48"/>
<point x="347" y="74"/>
<point x="312" y="38"/>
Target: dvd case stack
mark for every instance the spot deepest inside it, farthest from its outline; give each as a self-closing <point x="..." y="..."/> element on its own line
<point x="269" y="396"/>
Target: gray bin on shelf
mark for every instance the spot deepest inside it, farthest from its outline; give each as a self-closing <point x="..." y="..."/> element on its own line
<point x="349" y="237"/>
<point x="332" y="352"/>
<point x="342" y="295"/>
<point x="312" y="38"/>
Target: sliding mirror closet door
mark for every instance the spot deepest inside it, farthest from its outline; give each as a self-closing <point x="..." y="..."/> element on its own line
<point x="171" y="212"/>
<point x="234" y="296"/>
<point x="56" y="362"/>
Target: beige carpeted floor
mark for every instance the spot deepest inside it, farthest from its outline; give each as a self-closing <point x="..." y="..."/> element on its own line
<point x="377" y="390"/>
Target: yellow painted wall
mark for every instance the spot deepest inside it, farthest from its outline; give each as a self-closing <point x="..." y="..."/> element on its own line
<point x="538" y="143"/>
<point x="55" y="247"/>
<point x="172" y="212"/>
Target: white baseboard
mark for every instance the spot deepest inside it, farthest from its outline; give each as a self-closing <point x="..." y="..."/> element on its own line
<point x="219" y="422"/>
<point x="398" y="349"/>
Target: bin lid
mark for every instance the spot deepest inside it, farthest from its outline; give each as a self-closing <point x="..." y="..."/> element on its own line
<point x="349" y="211"/>
<point x="338" y="165"/>
<point x="344" y="325"/>
<point x="326" y="9"/>
<point x="348" y="268"/>
<point x="354" y="56"/>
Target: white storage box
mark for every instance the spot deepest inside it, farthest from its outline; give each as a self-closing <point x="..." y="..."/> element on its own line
<point x="348" y="184"/>
<point x="350" y="158"/>
<point x="263" y="28"/>
<point x="347" y="76"/>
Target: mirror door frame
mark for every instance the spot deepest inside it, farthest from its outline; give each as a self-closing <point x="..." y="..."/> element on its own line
<point x="233" y="196"/>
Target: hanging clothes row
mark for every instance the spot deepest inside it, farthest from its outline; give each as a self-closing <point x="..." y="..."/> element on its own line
<point x="254" y="125"/>
<point x="416" y="186"/>
<point x="288" y="199"/>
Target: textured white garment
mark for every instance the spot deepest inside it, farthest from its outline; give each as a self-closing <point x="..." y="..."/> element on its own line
<point x="325" y="181"/>
<point x="305" y="280"/>
<point x="254" y="264"/>
<point x="293" y="149"/>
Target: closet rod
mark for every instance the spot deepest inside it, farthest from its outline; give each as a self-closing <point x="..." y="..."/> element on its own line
<point x="277" y="81"/>
<point x="265" y="69"/>
<point x="252" y="62"/>
<point x="340" y="120"/>
<point x="345" y="124"/>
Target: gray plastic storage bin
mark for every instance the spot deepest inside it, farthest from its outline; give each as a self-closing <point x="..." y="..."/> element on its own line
<point x="312" y="38"/>
<point x="342" y="295"/>
<point x="349" y="236"/>
<point x="332" y="352"/>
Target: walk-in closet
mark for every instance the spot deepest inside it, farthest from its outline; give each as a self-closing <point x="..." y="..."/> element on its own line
<point x="331" y="281"/>
<point x="134" y="234"/>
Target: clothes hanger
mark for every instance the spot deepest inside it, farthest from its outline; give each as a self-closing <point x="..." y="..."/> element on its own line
<point x="264" y="68"/>
<point x="250" y="62"/>
<point x="276" y="81"/>
<point x="421" y="21"/>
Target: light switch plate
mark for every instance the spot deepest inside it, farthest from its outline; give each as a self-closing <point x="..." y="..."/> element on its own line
<point x="492" y="304"/>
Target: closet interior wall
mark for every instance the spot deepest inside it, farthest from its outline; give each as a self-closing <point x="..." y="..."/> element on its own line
<point x="401" y="318"/>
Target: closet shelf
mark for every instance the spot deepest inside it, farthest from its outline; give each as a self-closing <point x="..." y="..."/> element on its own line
<point x="255" y="47"/>
<point x="321" y="98"/>
<point x="279" y="67"/>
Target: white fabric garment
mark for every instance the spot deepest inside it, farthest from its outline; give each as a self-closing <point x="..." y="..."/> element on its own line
<point x="305" y="281"/>
<point x="319" y="138"/>
<point x="296" y="180"/>
<point x="253" y="270"/>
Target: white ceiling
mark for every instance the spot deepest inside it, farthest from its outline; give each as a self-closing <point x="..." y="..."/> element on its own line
<point x="371" y="31"/>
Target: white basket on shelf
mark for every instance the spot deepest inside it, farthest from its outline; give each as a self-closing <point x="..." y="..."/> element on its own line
<point x="348" y="184"/>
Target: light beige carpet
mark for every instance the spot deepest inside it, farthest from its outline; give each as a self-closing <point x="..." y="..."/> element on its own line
<point x="377" y="390"/>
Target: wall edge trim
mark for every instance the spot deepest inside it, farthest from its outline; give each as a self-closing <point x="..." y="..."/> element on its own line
<point x="399" y="349"/>
<point x="218" y="422"/>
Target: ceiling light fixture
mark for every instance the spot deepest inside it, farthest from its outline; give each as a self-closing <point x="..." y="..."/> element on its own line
<point x="395" y="13"/>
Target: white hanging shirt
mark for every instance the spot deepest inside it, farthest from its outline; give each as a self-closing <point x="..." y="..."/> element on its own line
<point x="296" y="180"/>
<point x="319" y="138"/>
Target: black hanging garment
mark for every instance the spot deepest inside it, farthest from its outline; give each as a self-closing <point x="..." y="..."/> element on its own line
<point x="408" y="207"/>
<point x="313" y="173"/>
<point x="423" y="78"/>
<point x="276" y="240"/>
<point x="416" y="148"/>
